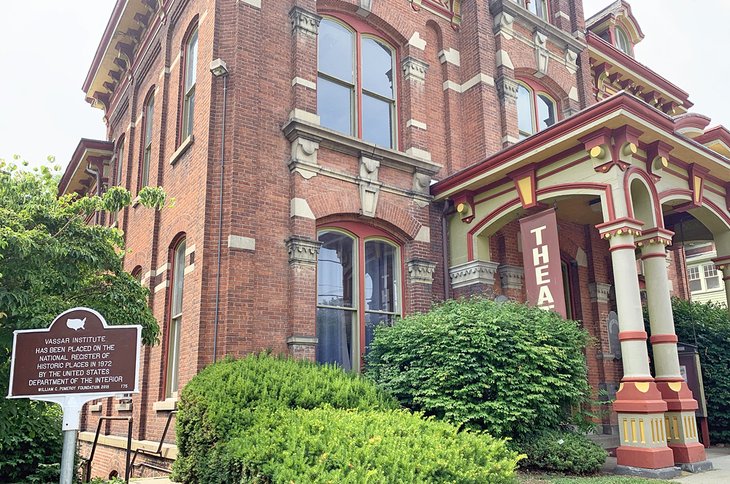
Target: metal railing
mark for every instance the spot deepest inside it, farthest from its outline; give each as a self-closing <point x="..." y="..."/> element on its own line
<point x="156" y="453"/>
<point x="127" y="466"/>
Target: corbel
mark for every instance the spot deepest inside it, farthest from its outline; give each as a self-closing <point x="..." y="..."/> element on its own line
<point x="697" y="175"/>
<point x="657" y="158"/>
<point x="464" y="205"/>
<point x="126" y="50"/>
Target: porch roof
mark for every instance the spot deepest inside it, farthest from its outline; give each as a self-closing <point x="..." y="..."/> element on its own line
<point x="554" y="142"/>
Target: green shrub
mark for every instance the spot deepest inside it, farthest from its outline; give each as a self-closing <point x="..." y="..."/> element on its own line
<point x="228" y="396"/>
<point x="339" y="446"/>
<point x="30" y="437"/>
<point x="562" y="452"/>
<point x="505" y="368"/>
<point x="711" y="324"/>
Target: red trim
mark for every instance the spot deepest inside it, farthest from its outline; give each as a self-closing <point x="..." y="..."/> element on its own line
<point x="629" y="62"/>
<point x="632" y="335"/>
<point x="717" y="133"/>
<point x="650" y="256"/>
<point x="522" y="173"/>
<point x="666" y="194"/>
<point x="663" y="338"/>
<point x="482" y="222"/>
<point x="651" y="187"/>
<point x="84" y="145"/>
<point x="565" y="154"/>
<point x="617" y="221"/>
<point x="614" y="103"/>
<point x="535" y="89"/>
<point x="622" y="246"/>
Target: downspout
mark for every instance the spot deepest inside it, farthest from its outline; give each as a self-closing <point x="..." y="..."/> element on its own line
<point x="448" y="204"/>
<point x="220" y="222"/>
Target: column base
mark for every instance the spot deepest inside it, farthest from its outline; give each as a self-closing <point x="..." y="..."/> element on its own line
<point x="688" y="453"/>
<point x="645" y="458"/>
<point x="678" y="396"/>
<point x="696" y="467"/>
<point x="663" y="473"/>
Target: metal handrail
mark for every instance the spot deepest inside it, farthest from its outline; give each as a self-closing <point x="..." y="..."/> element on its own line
<point x="127" y="466"/>
<point x="157" y="452"/>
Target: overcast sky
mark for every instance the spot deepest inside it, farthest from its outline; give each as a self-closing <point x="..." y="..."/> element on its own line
<point x="46" y="47"/>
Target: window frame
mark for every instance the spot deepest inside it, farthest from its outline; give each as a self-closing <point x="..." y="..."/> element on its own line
<point x="536" y="91"/>
<point x="173" y="332"/>
<point x="361" y="235"/>
<point x="362" y="30"/>
<point x="542" y="9"/>
<point x="147" y="138"/>
<point x="626" y="38"/>
<point x="187" y="97"/>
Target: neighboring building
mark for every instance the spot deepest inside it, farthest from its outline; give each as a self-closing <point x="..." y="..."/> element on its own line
<point x="705" y="281"/>
<point x="360" y="159"/>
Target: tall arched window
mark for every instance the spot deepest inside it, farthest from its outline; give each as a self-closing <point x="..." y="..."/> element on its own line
<point x="190" y="65"/>
<point x="149" y="111"/>
<point x="622" y="41"/>
<point x="537" y="7"/>
<point x="358" y="288"/>
<point x="176" y="313"/>
<point x="535" y="110"/>
<point x="356" y="82"/>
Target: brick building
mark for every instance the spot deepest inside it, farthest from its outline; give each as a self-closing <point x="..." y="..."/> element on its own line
<point x="337" y="163"/>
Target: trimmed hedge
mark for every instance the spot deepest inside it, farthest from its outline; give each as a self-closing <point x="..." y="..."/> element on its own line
<point x="339" y="446"/>
<point x="562" y="452"/>
<point x="269" y="419"/>
<point x="711" y="324"/>
<point x="227" y="397"/>
<point x="506" y="368"/>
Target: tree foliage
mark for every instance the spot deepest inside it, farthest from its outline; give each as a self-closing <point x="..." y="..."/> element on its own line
<point x="51" y="260"/>
<point x="709" y="326"/>
<point x="506" y="368"/>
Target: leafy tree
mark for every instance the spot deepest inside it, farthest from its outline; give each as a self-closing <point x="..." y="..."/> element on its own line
<point x="52" y="260"/>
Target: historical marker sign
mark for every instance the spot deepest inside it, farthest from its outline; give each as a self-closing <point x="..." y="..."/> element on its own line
<point x="77" y="355"/>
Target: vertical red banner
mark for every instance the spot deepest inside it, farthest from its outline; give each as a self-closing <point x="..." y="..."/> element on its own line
<point x="541" y="261"/>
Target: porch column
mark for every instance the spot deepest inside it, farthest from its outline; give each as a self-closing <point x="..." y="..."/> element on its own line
<point x="680" y="423"/>
<point x="722" y="264"/>
<point x="638" y="403"/>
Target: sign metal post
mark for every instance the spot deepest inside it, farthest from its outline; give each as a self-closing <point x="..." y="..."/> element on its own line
<point x="77" y="359"/>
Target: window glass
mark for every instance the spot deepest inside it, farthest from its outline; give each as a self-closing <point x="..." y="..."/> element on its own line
<point x="355" y="84"/>
<point x="346" y="312"/>
<point x="695" y="283"/>
<point x="176" y="309"/>
<point x="545" y="112"/>
<point x="712" y="280"/>
<point x="622" y="41"/>
<point x="120" y="161"/>
<point x="147" y="155"/>
<point x="336" y="50"/>
<point x="376" y="121"/>
<point x="191" y="64"/>
<point x="334" y="106"/>
<point x="538" y="7"/>
<point x="377" y="68"/>
<point x="524" y="111"/>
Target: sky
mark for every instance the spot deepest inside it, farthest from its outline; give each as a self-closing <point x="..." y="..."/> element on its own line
<point x="46" y="48"/>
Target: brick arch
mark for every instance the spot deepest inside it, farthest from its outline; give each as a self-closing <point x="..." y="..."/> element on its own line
<point x="326" y="205"/>
<point x="548" y="84"/>
<point x="393" y="29"/>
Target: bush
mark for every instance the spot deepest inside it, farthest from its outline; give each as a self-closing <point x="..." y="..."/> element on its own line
<point x="30" y="437"/>
<point x="228" y="396"/>
<point x="562" y="452"/>
<point x="711" y="324"/>
<point x="505" y="368"/>
<point x="340" y="446"/>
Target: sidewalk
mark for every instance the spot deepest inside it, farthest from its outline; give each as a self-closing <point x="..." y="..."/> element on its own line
<point x="720" y="458"/>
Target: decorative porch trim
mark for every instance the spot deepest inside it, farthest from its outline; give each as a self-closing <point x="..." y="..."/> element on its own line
<point x="302" y="251"/>
<point x="599" y="292"/>
<point x="512" y="277"/>
<point x="473" y="272"/>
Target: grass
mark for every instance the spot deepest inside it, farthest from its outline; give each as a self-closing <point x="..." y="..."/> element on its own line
<point x="533" y="478"/>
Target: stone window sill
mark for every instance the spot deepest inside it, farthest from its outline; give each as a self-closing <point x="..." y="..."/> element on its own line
<point x="300" y="128"/>
<point x="123" y="407"/>
<point x="166" y="405"/>
<point x="182" y="149"/>
<point x="95" y="407"/>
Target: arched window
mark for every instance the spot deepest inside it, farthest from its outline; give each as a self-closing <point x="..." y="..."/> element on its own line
<point x="358" y="288"/>
<point x="356" y="83"/>
<point x="137" y="273"/>
<point x="622" y="41"/>
<point x="149" y="111"/>
<point x="535" y="110"/>
<point x="119" y="161"/>
<point x="190" y="65"/>
<point x="176" y="313"/>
